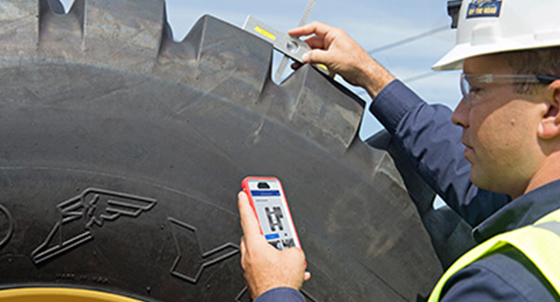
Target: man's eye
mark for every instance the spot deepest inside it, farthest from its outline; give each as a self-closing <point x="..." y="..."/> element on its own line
<point x="475" y="90"/>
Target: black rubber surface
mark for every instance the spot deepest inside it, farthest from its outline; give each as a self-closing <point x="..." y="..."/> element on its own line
<point x="122" y="153"/>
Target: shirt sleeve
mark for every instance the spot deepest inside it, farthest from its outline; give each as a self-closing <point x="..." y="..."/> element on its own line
<point x="426" y="136"/>
<point x="281" y="294"/>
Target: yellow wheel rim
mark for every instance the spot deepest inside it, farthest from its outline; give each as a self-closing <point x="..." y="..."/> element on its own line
<point x="59" y="295"/>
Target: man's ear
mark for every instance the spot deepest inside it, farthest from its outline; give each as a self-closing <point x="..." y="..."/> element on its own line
<point x="550" y="123"/>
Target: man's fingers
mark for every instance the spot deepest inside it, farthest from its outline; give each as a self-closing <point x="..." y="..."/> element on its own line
<point x="242" y="247"/>
<point x="315" y="42"/>
<point x="243" y="250"/>
<point x="313" y="28"/>
<point x="306" y="276"/>
<point x="305" y="30"/>
<point x="316" y="56"/>
<point x="249" y="222"/>
<point x="296" y="65"/>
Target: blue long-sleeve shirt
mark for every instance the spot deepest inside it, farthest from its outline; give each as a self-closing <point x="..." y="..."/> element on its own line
<point x="426" y="135"/>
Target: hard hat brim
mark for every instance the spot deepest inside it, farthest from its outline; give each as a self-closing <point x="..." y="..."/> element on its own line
<point x="454" y="59"/>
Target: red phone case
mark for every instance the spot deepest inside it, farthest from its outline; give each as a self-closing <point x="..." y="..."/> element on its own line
<point x="247" y="190"/>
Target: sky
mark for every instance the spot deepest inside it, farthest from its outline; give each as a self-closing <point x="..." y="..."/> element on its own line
<point x="373" y="24"/>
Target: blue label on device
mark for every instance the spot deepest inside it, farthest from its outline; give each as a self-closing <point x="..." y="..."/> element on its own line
<point x="265" y="193"/>
<point x="272" y="236"/>
<point x="484" y="8"/>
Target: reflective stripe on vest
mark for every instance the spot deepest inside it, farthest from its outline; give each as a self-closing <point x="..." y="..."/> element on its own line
<point x="539" y="242"/>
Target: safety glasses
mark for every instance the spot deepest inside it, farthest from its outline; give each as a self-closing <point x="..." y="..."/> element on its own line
<point x="470" y="83"/>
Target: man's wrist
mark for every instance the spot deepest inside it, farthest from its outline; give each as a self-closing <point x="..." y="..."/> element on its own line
<point x="376" y="77"/>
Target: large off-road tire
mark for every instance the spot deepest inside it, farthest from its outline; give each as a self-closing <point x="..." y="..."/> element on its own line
<point x="121" y="153"/>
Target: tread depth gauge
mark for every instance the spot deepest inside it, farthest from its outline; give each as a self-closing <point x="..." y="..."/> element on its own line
<point x="290" y="46"/>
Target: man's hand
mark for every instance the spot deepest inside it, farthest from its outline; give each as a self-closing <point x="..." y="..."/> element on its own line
<point x="341" y="54"/>
<point x="266" y="267"/>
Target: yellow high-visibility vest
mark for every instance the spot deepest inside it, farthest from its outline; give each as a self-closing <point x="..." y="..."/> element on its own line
<point x="539" y="242"/>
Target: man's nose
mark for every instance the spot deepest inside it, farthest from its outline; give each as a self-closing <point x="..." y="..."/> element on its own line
<point x="460" y="116"/>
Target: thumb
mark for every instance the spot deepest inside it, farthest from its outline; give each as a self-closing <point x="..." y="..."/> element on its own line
<point x="316" y="56"/>
<point x="249" y="222"/>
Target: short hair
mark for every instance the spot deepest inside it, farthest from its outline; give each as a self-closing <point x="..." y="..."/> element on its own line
<point x="539" y="61"/>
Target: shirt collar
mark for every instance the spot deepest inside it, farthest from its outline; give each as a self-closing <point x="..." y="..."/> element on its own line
<point x="520" y="212"/>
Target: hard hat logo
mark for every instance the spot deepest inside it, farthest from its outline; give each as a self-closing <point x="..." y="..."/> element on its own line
<point x="484" y="8"/>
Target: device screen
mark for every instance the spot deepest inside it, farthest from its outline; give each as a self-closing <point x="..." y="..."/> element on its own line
<point x="274" y="217"/>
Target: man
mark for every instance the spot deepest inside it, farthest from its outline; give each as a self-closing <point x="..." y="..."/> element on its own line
<point x="500" y="169"/>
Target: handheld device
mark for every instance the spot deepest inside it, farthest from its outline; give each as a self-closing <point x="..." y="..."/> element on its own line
<point x="269" y="203"/>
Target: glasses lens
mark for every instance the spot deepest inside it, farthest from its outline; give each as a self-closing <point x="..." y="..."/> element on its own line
<point x="470" y="93"/>
<point x="465" y="88"/>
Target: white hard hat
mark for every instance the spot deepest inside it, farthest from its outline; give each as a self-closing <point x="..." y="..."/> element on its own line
<point x="492" y="26"/>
